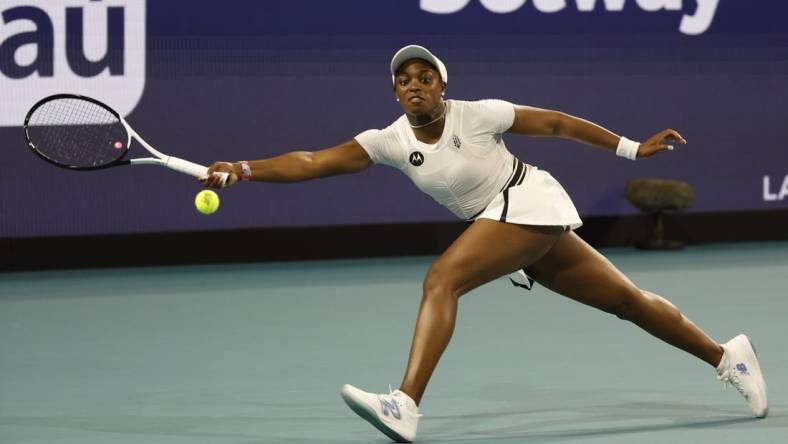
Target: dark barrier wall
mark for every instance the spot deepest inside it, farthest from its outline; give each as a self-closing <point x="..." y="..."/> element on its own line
<point x="209" y="80"/>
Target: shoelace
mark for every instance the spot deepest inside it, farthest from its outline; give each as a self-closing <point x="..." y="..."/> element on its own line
<point x="399" y="400"/>
<point x="730" y="378"/>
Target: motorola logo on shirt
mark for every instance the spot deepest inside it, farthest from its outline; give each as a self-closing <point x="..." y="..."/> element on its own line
<point x="416" y="158"/>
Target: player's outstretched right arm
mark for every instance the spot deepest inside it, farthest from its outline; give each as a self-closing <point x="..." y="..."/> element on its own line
<point x="295" y="166"/>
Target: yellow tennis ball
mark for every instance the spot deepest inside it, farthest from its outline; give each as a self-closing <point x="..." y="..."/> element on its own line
<point x="206" y="201"/>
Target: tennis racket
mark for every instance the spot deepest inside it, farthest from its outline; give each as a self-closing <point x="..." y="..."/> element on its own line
<point x="81" y="133"/>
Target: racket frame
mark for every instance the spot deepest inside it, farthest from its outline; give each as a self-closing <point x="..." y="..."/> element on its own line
<point x="171" y="162"/>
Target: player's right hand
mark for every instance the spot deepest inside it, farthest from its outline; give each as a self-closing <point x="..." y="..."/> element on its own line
<point x="212" y="180"/>
<point x="662" y="141"/>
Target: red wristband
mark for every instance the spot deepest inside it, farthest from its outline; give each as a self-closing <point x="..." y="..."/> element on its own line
<point x="246" y="170"/>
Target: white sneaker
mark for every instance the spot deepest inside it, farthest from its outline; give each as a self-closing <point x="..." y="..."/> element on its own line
<point x="739" y="367"/>
<point x="395" y="414"/>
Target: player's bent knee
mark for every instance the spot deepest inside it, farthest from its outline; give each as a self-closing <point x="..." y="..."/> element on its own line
<point x="438" y="284"/>
<point x="630" y="305"/>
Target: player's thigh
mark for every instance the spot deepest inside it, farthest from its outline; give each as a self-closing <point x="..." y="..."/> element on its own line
<point x="576" y="270"/>
<point x="487" y="250"/>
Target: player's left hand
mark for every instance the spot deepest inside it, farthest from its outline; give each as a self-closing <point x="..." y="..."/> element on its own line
<point x="662" y="141"/>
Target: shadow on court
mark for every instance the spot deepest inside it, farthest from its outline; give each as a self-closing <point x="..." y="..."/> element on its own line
<point x="612" y="426"/>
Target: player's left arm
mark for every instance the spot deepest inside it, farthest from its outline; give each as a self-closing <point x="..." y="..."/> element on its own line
<point x="539" y="122"/>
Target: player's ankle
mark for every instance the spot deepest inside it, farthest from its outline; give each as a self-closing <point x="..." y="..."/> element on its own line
<point x="715" y="358"/>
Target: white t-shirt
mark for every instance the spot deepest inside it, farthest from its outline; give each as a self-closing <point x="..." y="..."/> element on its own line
<point x="466" y="168"/>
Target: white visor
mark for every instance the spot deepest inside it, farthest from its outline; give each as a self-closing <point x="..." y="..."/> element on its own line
<point x="417" y="52"/>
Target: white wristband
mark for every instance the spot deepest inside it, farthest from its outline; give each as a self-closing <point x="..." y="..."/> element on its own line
<point x="627" y="148"/>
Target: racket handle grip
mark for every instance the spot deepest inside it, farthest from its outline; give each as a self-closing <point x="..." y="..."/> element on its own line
<point x="186" y="167"/>
<point x="191" y="168"/>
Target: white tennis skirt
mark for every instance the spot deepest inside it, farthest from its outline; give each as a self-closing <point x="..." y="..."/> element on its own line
<point x="538" y="200"/>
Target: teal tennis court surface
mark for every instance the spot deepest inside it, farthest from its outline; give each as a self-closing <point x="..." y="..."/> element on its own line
<point x="257" y="353"/>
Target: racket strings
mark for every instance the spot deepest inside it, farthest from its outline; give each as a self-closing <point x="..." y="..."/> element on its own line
<point x="77" y="133"/>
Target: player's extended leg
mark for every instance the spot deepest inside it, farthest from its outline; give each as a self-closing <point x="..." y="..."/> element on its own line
<point x="574" y="269"/>
<point x="485" y="251"/>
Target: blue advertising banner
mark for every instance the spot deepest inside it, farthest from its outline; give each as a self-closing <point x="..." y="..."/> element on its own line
<point x="247" y="79"/>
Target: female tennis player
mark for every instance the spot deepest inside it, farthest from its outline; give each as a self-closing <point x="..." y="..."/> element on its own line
<point x="523" y="222"/>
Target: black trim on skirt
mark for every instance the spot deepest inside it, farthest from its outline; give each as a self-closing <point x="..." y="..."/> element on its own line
<point x="505" y="204"/>
<point x="516" y="177"/>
